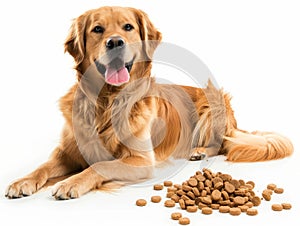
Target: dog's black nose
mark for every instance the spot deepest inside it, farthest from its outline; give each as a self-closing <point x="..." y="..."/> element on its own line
<point x="114" y="42"/>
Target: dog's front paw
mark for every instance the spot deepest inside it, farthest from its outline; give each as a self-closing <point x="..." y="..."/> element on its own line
<point x="22" y="187"/>
<point x="68" y="189"/>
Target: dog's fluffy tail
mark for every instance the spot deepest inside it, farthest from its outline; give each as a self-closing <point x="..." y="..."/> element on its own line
<point x="242" y="146"/>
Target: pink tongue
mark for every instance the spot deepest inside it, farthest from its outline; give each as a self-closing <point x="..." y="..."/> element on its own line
<point x="116" y="77"/>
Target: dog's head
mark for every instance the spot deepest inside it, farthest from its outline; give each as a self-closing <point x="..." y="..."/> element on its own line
<point x="114" y="39"/>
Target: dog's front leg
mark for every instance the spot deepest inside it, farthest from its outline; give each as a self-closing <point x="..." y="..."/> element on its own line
<point x="130" y="169"/>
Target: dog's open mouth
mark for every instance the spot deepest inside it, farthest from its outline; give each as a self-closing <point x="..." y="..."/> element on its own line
<point x="116" y="73"/>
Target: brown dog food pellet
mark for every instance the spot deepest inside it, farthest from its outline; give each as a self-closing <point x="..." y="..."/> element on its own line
<point x="252" y="212"/>
<point x="244" y="208"/>
<point x="158" y="187"/>
<point x="271" y="186"/>
<point x="215" y="206"/>
<point x="216" y="195"/>
<point x="229" y="187"/>
<point x="182" y="204"/>
<point x="155" y="199"/>
<point x="192" y="182"/>
<point x="171" y="189"/>
<point x="175" y="198"/>
<point x="286" y="206"/>
<point x="206" y="200"/>
<point x="277" y="207"/>
<point x="256" y="201"/>
<point x="267" y="194"/>
<point x="249" y="204"/>
<point x="201" y="205"/>
<point x="189" y="202"/>
<point x="235" y="211"/>
<point x="170" y="194"/>
<point x="141" y="202"/>
<point x="196" y="191"/>
<point x="169" y="203"/>
<point x="184" y="220"/>
<point x="176" y="216"/>
<point x="238" y="200"/>
<point x="252" y="183"/>
<point x="278" y="190"/>
<point x="186" y="188"/>
<point x="192" y="209"/>
<point x="224" y="209"/>
<point x="207" y="210"/>
<point x="168" y="183"/>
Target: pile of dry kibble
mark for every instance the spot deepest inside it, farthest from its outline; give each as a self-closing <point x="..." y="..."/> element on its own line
<point x="210" y="191"/>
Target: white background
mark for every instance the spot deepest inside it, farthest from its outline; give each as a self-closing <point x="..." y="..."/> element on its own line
<point x="252" y="49"/>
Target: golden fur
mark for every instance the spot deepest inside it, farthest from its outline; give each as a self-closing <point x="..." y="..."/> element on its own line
<point x="154" y="122"/>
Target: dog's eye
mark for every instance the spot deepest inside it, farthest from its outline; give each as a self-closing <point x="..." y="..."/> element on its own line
<point x="128" y="27"/>
<point x="98" y="29"/>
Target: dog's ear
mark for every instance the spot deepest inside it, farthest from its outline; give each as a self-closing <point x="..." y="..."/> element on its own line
<point x="149" y="34"/>
<point x="75" y="42"/>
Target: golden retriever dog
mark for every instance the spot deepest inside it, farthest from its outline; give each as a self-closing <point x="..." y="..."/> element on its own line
<point x="120" y="123"/>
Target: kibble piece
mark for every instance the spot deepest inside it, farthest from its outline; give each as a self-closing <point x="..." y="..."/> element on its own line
<point x="196" y="191"/>
<point x="244" y="208"/>
<point x="158" y="187"/>
<point x="184" y="220"/>
<point x="252" y="183"/>
<point x="191" y="195"/>
<point x="217" y="180"/>
<point x="242" y="182"/>
<point x="186" y="188"/>
<point x="182" y="204"/>
<point x="169" y="203"/>
<point x="184" y="197"/>
<point x="235" y="183"/>
<point x="225" y="195"/>
<point x="238" y="200"/>
<point x="278" y="190"/>
<point x="224" y="209"/>
<point x="206" y="200"/>
<point x="189" y="202"/>
<point x="271" y="186"/>
<point x="207" y="210"/>
<point x="235" y="211"/>
<point x="286" y="206"/>
<point x="192" y="182"/>
<point x="215" y="206"/>
<point x="277" y="207"/>
<point x="192" y="209"/>
<point x="218" y="185"/>
<point x="256" y="201"/>
<point x="207" y="174"/>
<point x="175" y="198"/>
<point x="225" y="177"/>
<point x="267" y="194"/>
<point x="172" y="189"/>
<point x="170" y="194"/>
<point x="252" y="212"/>
<point x="208" y="183"/>
<point x="249" y="204"/>
<point x="216" y="195"/>
<point x="177" y="186"/>
<point x="201" y="205"/>
<point x="180" y="192"/>
<point x="200" y="178"/>
<point x="141" y="202"/>
<point x="155" y="199"/>
<point x="168" y="183"/>
<point x="229" y="187"/>
<point x="203" y="193"/>
<point x="176" y="216"/>
<point x="225" y="202"/>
